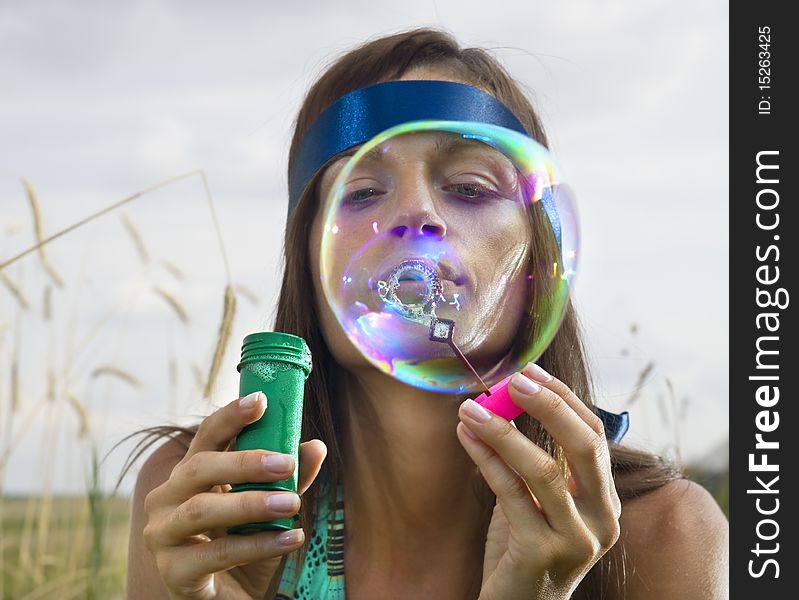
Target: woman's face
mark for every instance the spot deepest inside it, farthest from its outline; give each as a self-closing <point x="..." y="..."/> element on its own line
<point x="431" y="194"/>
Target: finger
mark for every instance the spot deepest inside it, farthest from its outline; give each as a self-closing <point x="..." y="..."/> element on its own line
<point x="533" y="371"/>
<point x="218" y="429"/>
<point x="204" y="470"/>
<point x="537" y="374"/>
<point x="190" y="566"/>
<point x="312" y="455"/>
<point x="512" y="493"/>
<point x="209" y="511"/>
<point x="586" y="450"/>
<point x="537" y="468"/>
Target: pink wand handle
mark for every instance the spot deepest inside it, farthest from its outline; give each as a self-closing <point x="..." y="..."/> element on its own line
<point x="499" y="401"/>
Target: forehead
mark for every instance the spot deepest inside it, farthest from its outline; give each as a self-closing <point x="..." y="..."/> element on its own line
<point x="426" y="145"/>
<point x="437" y="144"/>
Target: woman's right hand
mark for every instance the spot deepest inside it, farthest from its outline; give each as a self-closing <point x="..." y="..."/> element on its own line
<point x="187" y="515"/>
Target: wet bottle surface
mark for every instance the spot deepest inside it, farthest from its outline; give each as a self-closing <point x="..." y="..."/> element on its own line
<point x="276" y="364"/>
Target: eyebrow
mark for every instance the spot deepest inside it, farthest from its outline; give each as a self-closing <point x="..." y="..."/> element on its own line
<point x="444" y="144"/>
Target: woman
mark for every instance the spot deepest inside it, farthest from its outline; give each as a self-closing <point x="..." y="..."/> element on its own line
<point x="623" y="525"/>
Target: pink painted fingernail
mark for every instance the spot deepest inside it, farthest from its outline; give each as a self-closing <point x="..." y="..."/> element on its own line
<point x="289" y="538"/>
<point x="283" y="502"/>
<point x="524" y="385"/>
<point x="538" y="373"/>
<point x="250" y="400"/>
<point x="475" y="411"/>
<point x="278" y="463"/>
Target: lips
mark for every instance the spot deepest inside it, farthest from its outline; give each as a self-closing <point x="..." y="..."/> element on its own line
<point x="444" y="270"/>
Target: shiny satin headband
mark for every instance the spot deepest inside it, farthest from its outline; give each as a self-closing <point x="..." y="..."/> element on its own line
<point x="358" y="116"/>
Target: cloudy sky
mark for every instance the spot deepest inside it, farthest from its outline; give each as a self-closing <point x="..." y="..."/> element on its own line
<point x="102" y="100"/>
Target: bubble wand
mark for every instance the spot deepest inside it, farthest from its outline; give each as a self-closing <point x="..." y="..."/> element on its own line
<point x="441" y="330"/>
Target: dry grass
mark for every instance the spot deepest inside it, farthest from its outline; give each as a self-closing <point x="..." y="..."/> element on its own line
<point x="225" y="328"/>
<point x="246" y="293"/>
<point x="174" y="304"/>
<point x="47" y="303"/>
<point x="63" y="548"/>
<point x="33" y="201"/>
<point x="136" y="238"/>
<point x="117" y="373"/>
<point x="14" y="381"/>
<point x="63" y="569"/>
<point x="639" y="385"/>
<point x="199" y="378"/>
<point x="173" y="270"/>
<point x="16" y="293"/>
<point x="82" y="414"/>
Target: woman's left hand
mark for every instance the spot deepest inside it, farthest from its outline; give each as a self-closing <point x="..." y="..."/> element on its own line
<point x="546" y="531"/>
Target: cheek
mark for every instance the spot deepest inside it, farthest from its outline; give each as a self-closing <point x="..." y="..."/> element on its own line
<point x="501" y="256"/>
<point x="344" y="353"/>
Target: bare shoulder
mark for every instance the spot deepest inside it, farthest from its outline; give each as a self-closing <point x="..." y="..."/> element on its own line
<point x="143" y="579"/>
<point x="675" y="539"/>
<point x="158" y="466"/>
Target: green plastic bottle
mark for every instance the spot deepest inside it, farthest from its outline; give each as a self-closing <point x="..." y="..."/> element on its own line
<point x="276" y="364"/>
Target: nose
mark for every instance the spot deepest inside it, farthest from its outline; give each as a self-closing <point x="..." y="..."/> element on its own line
<point x="416" y="213"/>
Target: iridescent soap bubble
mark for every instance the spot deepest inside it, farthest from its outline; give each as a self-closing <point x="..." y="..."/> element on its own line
<point x="447" y="252"/>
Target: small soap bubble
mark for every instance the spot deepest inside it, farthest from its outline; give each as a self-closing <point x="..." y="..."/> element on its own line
<point x="448" y="251"/>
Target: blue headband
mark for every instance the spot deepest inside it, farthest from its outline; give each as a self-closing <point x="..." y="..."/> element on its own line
<point x="360" y="115"/>
<point x="357" y="117"/>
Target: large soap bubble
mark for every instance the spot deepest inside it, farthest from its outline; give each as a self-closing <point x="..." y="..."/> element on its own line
<point x="448" y="251"/>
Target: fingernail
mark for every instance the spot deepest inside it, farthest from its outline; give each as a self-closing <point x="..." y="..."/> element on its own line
<point x="278" y="463"/>
<point x="538" y="373"/>
<point x="475" y="411"/>
<point x="250" y="400"/>
<point x="283" y="502"/>
<point x="289" y="538"/>
<point x="524" y="385"/>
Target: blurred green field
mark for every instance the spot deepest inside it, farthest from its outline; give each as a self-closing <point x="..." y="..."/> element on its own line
<point x="63" y="547"/>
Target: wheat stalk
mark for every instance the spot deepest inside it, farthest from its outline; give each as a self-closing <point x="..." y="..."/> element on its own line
<point x="247" y="293"/>
<point x="640" y="383"/>
<point x="47" y="303"/>
<point x="37" y="226"/>
<point x="217" y="228"/>
<point x="117" y="373"/>
<point x="40" y="243"/>
<point x="81" y="412"/>
<point x="173" y="302"/>
<point x="222" y="339"/>
<point x="51" y="385"/>
<point x="198" y="375"/>
<point x="15" y="291"/>
<point x="14" y="385"/>
<point x="173" y="269"/>
<point x="136" y="237"/>
<point x="675" y="421"/>
<point x="173" y="373"/>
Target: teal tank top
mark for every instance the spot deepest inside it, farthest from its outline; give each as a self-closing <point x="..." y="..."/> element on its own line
<point x="321" y="576"/>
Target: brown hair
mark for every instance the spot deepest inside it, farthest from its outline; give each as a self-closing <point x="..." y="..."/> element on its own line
<point x="384" y="59"/>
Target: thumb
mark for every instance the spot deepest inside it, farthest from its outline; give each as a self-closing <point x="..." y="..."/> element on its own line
<point x="312" y="455"/>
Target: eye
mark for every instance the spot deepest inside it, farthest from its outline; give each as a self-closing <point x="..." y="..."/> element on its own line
<point x="361" y="197"/>
<point x="473" y="191"/>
